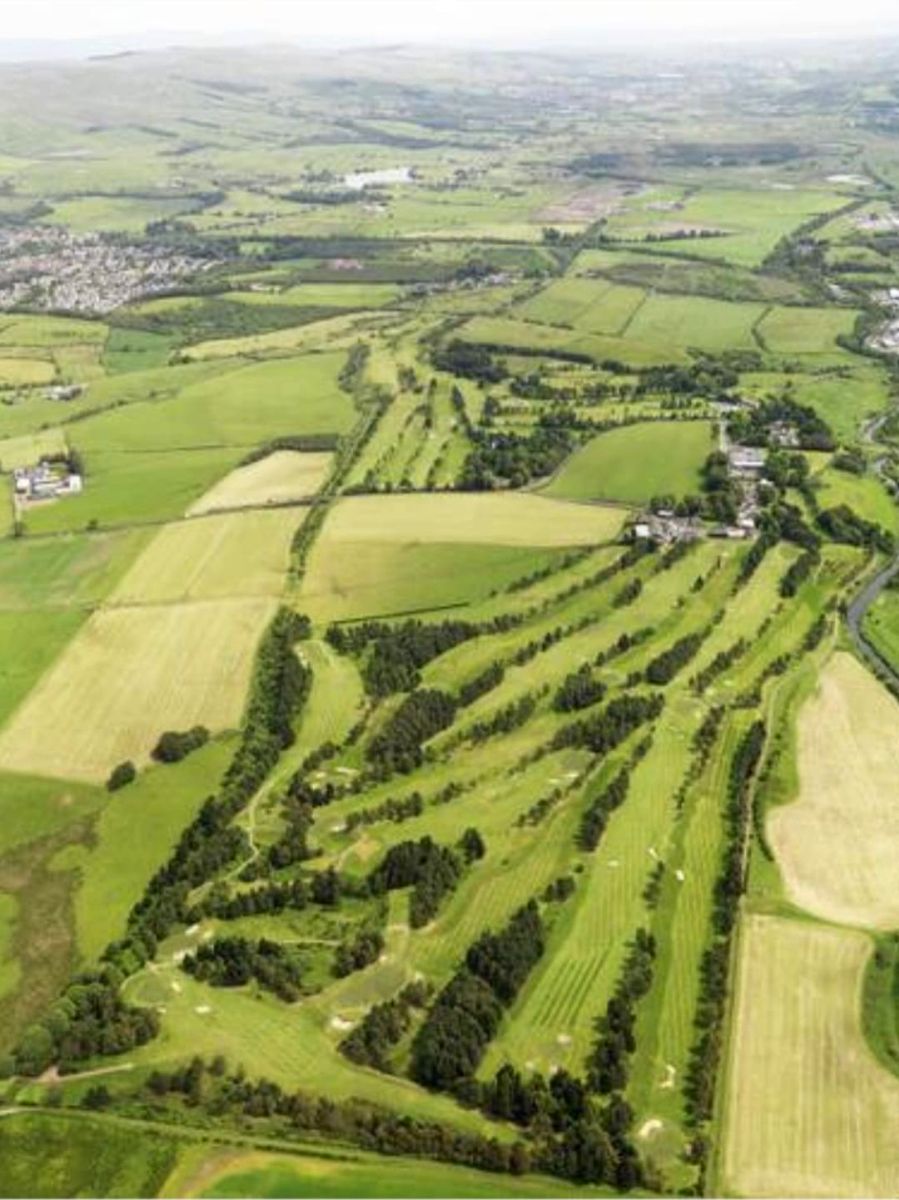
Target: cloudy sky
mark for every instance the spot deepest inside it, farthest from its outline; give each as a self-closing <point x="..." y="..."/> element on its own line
<point x="135" y="22"/>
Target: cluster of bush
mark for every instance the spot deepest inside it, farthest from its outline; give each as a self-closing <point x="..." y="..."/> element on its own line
<point x="431" y="870"/>
<point x="797" y="572"/>
<point x="370" y="1043"/>
<point x="203" y="1089"/>
<point x="844" y="525"/>
<point x="88" y="1020"/>
<point x="173" y="745"/>
<point x="488" y="679"/>
<point x="396" y="653"/>
<point x="722" y="662"/>
<point x="506" y="459"/>
<point x="358" y="952"/>
<point x="511" y="716"/>
<point x="596" y="815"/>
<point x="578" y="690"/>
<point x="270" y="898"/>
<point x="234" y="961"/>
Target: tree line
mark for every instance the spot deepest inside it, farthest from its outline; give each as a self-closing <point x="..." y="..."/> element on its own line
<point x="607" y="729"/>
<point x="399" y="745"/>
<point x="465" y="1016"/>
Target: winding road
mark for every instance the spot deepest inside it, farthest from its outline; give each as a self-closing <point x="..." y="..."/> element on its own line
<point x="857" y="609"/>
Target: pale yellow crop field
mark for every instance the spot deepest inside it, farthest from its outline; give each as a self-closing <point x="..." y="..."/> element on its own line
<point x="25" y="372"/>
<point x="293" y="338"/>
<point x="226" y="555"/>
<point x="129" y="674"/>
<point x="809" y="1111"/>
<point x="276" y="479"/>
<point x="492" y="518"/>
<point x="838" y="843"/>
<point x="26" y="450"/>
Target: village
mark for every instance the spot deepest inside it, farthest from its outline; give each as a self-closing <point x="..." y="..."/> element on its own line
<point x="746" y="468"/>
<point x="47" y="268"/>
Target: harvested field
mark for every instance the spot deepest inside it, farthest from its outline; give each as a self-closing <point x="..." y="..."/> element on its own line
<point x="278" y="478"/>
<point x="838" y="844"/>
<point x="809" y="1111"/>
<point x="227" y="555"/>
<point x="129" y="674"/>
<point x="502" y="519"/>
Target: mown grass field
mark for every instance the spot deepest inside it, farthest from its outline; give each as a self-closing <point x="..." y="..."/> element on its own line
<point x="203" y="1171"/>
<point x="636" y="462"/>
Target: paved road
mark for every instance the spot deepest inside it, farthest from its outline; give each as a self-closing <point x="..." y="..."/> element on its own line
<point x="855" y="613"/>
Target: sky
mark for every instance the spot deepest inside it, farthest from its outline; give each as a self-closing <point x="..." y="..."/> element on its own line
<point x="134" y="23"/>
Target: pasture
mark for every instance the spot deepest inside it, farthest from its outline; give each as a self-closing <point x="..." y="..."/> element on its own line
<point x="591" y="306"/>
<point x="636" y="462"/>
<point x="808" y="1110"/>
<point x="804" y="330"/>
<point x="347" y="579"/>
<point x="131" y="838"/>
<point x="837" y="844"/>
<point x="63" y="1154"/>
<point x="312" y="1172"/>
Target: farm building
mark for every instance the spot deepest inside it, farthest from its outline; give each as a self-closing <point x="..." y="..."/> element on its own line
<point x="746" y="460"/>
<point x="46" y="482"/>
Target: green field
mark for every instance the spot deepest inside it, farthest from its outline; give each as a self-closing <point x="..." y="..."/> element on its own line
<point x="636" y="462"/>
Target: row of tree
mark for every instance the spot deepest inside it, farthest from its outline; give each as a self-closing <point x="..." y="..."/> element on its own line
<point x="607" y="729"/>
<point x="399" y="745"/>
<point x="465" y="1016"/>
<point x="714" y="968"/>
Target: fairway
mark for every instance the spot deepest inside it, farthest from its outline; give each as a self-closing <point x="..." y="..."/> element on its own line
<point x="838" y="843"/>
<point x="809" y="1110"/>
<point x="129" y="674"/>
<point x="636" y="462"/>
<point x="279" y="478"/>
<point x="501" y="519"/>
